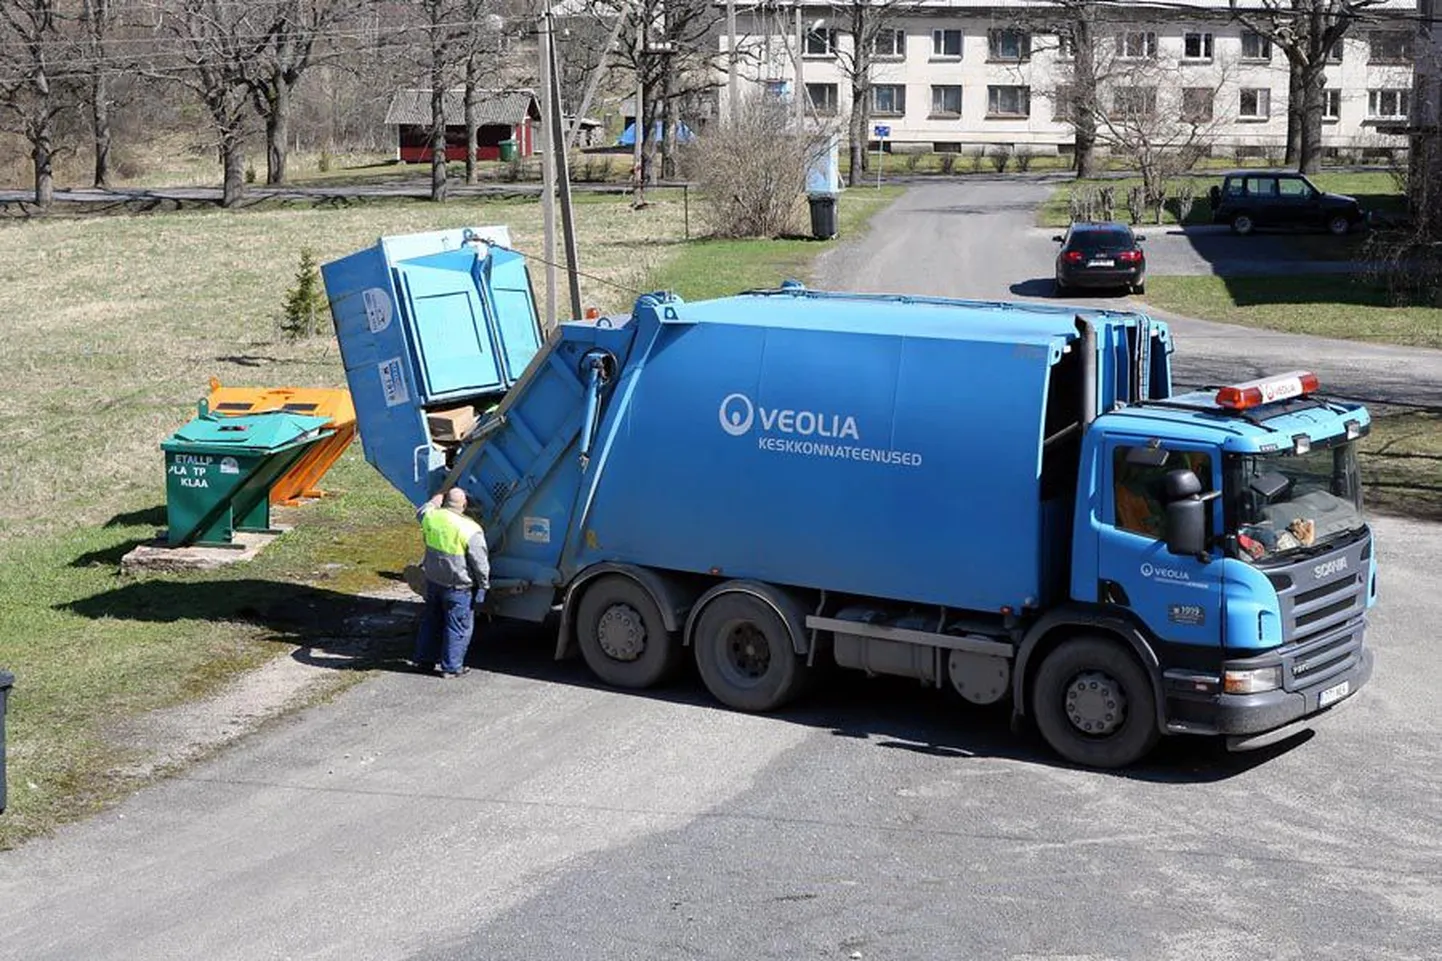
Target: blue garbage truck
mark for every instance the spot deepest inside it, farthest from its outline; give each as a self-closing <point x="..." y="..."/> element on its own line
<point x="1003" y="498"/>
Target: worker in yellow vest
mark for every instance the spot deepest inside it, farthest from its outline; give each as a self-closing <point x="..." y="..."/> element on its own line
<point x="458" y="574"/>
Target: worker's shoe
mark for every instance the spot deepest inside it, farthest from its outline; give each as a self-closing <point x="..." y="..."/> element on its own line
<point x="447" y="675"/>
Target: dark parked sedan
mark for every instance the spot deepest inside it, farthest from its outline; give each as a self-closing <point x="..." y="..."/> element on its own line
<point x="1100" y="255"/>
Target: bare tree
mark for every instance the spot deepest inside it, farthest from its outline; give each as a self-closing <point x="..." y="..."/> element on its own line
<point x="1077" y="26"/>
<point x="295" y="39"/>
<point x="865" y="22"/>
<point x="481" y="45"/>
<point x="219" y="43"/>
<point x="1305" y="31"/>
<point x="99" y="63"/>
<point x="32" y="54"/>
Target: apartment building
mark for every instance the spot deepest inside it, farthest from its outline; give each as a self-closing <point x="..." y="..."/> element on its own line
<point x="962" y="75"/>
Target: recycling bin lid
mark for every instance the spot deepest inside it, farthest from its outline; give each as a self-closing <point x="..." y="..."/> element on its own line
<point x="259" y="433"/>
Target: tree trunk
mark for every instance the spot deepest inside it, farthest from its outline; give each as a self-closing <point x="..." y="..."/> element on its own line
<point x="438" y="134"/>
<point x="652" y="144"/>
<point x="1295" y="114"/>
<point x="277" y="131"/>
<point x="472" y="82"/>
<point x="100" y="126"/>
<point x="43" y="154"/>
<point x="1314" y="84"/>
<point x="669" y="109"/>
<point x="232" y="151"/>
<point x="1084" y="95"/>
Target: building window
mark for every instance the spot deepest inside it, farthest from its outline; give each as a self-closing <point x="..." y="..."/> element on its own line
<point x="1387" y="104"/>
<point x="1198" y="104"/>
<point x="1334" y="54"/>
<point x="1331" y="105"/>
<point x="1134" y="103"/>
<point x="1137" y="45"/>
<point x="820" y="43"/>
<point x="1389" y="46"/>
<point x="1063" y="103"/>
<point x="1065" y="46"/>
<point x="889" y="45"/>
<point x="1008" y="101"/>
<point x="946" y="43"/>
<point x="823" y="98"/>
<point x="888" y="99"/>
<point x="1255" y="46"/>
<point x="1197" y="46"/>
<point x="1256" y="103"/>
<point x="1008" y="44"/>
<point x="946" y="101"/>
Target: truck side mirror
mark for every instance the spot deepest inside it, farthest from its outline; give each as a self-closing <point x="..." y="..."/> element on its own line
<point x="1186" y="522"/>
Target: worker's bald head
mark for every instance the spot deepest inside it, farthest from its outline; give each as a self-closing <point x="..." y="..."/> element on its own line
<point x="455" y="499"/>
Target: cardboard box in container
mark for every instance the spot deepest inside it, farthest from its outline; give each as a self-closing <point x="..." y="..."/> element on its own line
<point x="451" y="424"/>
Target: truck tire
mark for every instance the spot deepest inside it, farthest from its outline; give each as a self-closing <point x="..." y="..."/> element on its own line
<point x="1338" y="225"/>
<point x="622" y="635"/>
<point x="745" y="655"/>
<point x="1095" y="705"/>
<point x="1242" y="225"/>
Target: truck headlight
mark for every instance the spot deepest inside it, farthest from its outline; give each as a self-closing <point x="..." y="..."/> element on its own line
<point x="1252" y="681"/>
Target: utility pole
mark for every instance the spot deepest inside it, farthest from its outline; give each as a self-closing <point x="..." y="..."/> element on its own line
<point x="548" y="170"/>
<point x="637" y="125"/>
<point x="731" y="93"/>
<point x="563" y="174"/>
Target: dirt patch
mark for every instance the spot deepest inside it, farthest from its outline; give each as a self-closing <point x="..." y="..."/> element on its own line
<point x="163" y="741"/>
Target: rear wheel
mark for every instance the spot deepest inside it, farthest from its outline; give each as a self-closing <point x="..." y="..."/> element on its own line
<point x="1094" y="704"/>
<point x="745" y="655"/>
<point x="1060" y="289"/>
<point x="1140" y="287"/>
<point x="622" y="635"/>
<point x="1242" y="225"/>
<point x="1338" y="225"/>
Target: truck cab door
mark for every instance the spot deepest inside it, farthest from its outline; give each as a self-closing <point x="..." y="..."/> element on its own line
<point x="1179" y="598"/>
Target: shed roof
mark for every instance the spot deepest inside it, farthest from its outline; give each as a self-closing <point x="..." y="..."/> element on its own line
<point x="509" y="107"/>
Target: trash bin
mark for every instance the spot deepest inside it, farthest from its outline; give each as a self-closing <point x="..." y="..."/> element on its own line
<point x="823" y="216"/>
<point x="7" y="681"/>
<point x="334" y="403"/>
<point x="219" y="470"/>
<point x="508" y="150"/>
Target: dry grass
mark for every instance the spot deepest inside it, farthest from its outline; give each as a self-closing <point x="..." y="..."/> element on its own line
<point x="112" y="328"/>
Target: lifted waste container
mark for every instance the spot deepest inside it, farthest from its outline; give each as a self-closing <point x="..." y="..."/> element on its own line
<point x="333" y="403"/>
<point x="219" y="470"/>
<point x="7" y="681"/>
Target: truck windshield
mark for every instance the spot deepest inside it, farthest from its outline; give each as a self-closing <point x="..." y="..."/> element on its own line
<point x="1289" y="503"/>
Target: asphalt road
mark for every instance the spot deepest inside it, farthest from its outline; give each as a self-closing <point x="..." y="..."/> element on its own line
<point x="523" y="813"/>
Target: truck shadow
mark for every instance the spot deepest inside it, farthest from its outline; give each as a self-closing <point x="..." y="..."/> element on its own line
<point x="341" y="631"/>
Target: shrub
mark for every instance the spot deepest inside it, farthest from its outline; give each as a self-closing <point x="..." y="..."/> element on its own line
<point x="1000" y="159"/>
<point x="305" y="301"/>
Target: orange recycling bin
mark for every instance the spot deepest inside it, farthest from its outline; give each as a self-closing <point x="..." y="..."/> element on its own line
<point x="335" y="403"/>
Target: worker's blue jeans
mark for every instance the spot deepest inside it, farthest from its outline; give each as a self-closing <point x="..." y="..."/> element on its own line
<point x="446" y="627"/>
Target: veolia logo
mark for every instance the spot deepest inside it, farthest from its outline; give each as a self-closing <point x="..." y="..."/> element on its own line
<point x="737" y="413"/>
<point x="1165" y="573"/>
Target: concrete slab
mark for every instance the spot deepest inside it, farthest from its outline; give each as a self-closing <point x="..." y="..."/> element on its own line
<point x="157" y="555"/>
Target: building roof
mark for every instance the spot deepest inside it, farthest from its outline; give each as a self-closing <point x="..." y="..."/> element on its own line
<point x="508" y="107"/>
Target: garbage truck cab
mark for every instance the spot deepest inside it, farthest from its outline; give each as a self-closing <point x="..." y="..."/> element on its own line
<point x="1224" y="529"/>
<point x="1003" y="498"/>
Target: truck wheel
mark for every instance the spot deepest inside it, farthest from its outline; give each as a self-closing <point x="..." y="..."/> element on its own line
<point x="1242" y="225"/>
<point x="745" y="655"/>
<point x="623" y="638"/>
<point x="1094" y="704"/>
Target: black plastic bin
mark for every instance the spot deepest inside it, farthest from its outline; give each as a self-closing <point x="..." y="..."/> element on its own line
<point x="7" y="680"/>
<point x="823" y="215"/>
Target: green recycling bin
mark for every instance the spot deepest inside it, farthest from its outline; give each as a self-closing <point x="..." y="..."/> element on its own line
<point x="7" y="680"/>
<point x="508" y="150"/>
<point x="219" y="470"/>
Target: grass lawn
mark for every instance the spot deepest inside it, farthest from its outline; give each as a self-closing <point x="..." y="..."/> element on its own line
<point x="1374" y="189"/>
<point x="1402" y="465"/>
<point x="112" y="327"/>
<point x="1322" y="305"/>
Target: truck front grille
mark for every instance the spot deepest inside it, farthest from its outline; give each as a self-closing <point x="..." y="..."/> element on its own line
<point x="1322" y="624"/>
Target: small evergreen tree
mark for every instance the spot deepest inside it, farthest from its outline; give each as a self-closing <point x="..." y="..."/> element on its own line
<point x="305" y="303"/>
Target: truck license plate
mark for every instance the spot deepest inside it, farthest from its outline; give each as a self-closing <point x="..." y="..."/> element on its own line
<point x="1102" y="263"/>
<point x="1334" y="694"/>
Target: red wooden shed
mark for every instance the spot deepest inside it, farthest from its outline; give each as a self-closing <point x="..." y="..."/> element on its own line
<point x="502" y="115"/>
